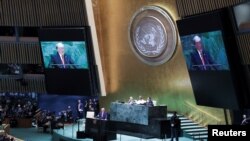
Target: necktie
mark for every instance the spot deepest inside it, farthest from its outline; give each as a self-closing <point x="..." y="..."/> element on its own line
<point x="62" y="58"/>
<point x="202" y="60"/>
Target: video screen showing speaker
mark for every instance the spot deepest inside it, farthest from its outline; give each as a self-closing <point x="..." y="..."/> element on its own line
<point x="64" y="54"/>
<point x="212" y="59"/>
<point x="205" y="51"/>
<point x="67" y="59"/>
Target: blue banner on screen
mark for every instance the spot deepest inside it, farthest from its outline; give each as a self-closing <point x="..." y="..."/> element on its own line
<point x="64" y="55"/>
<point x="205" y="51"/>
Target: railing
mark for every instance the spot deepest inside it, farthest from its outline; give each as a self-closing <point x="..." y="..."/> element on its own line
<point x="200" y="116"/>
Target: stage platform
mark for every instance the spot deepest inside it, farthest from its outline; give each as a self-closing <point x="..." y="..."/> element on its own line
<point x="69" y="134"/>
<point x="70" y="130"/>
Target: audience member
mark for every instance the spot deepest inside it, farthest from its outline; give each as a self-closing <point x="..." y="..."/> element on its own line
<point x="19" y="105"/>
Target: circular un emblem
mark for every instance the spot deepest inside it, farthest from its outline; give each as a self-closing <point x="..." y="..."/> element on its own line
<point x="152" y="35"/>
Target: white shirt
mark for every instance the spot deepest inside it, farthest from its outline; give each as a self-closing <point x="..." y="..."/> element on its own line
<point x="62" y="59"/>
<point x="141" y="101"/>
<point x="61" y="56"/>
<point x="201" y="56"/>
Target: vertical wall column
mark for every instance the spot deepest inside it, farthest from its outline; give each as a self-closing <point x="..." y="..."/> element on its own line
<point x="91" y="22"/>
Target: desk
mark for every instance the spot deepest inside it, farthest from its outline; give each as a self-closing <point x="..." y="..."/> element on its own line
<point x="139" y="114"/>
<point x="157" y="128"/>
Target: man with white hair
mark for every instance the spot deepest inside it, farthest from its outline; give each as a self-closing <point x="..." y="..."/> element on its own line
<point x="200" y="58"/>
<point x="60" y="59"/>
<point x="103" y="115"/>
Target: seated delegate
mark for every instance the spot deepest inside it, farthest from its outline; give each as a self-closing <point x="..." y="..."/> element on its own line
<point x="141" y="101"/>
<point x="131" y="100"/>
<point x="149" y="102"/>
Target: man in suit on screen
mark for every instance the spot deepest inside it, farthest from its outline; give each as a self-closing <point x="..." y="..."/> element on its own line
<point x="200" y="58"/>
<point x="61" y="59"/>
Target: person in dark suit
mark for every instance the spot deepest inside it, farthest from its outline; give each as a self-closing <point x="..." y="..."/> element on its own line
<point x="103" y="115"/>
<point x="175" y="126"/>
<point x="80" y="109"/>
<point x="245" y="121"/>
<point x="61" y="59"/>
<point x="149" y="102"/>
<point x="200" y="58"/>
<point x="69" y="114"/>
